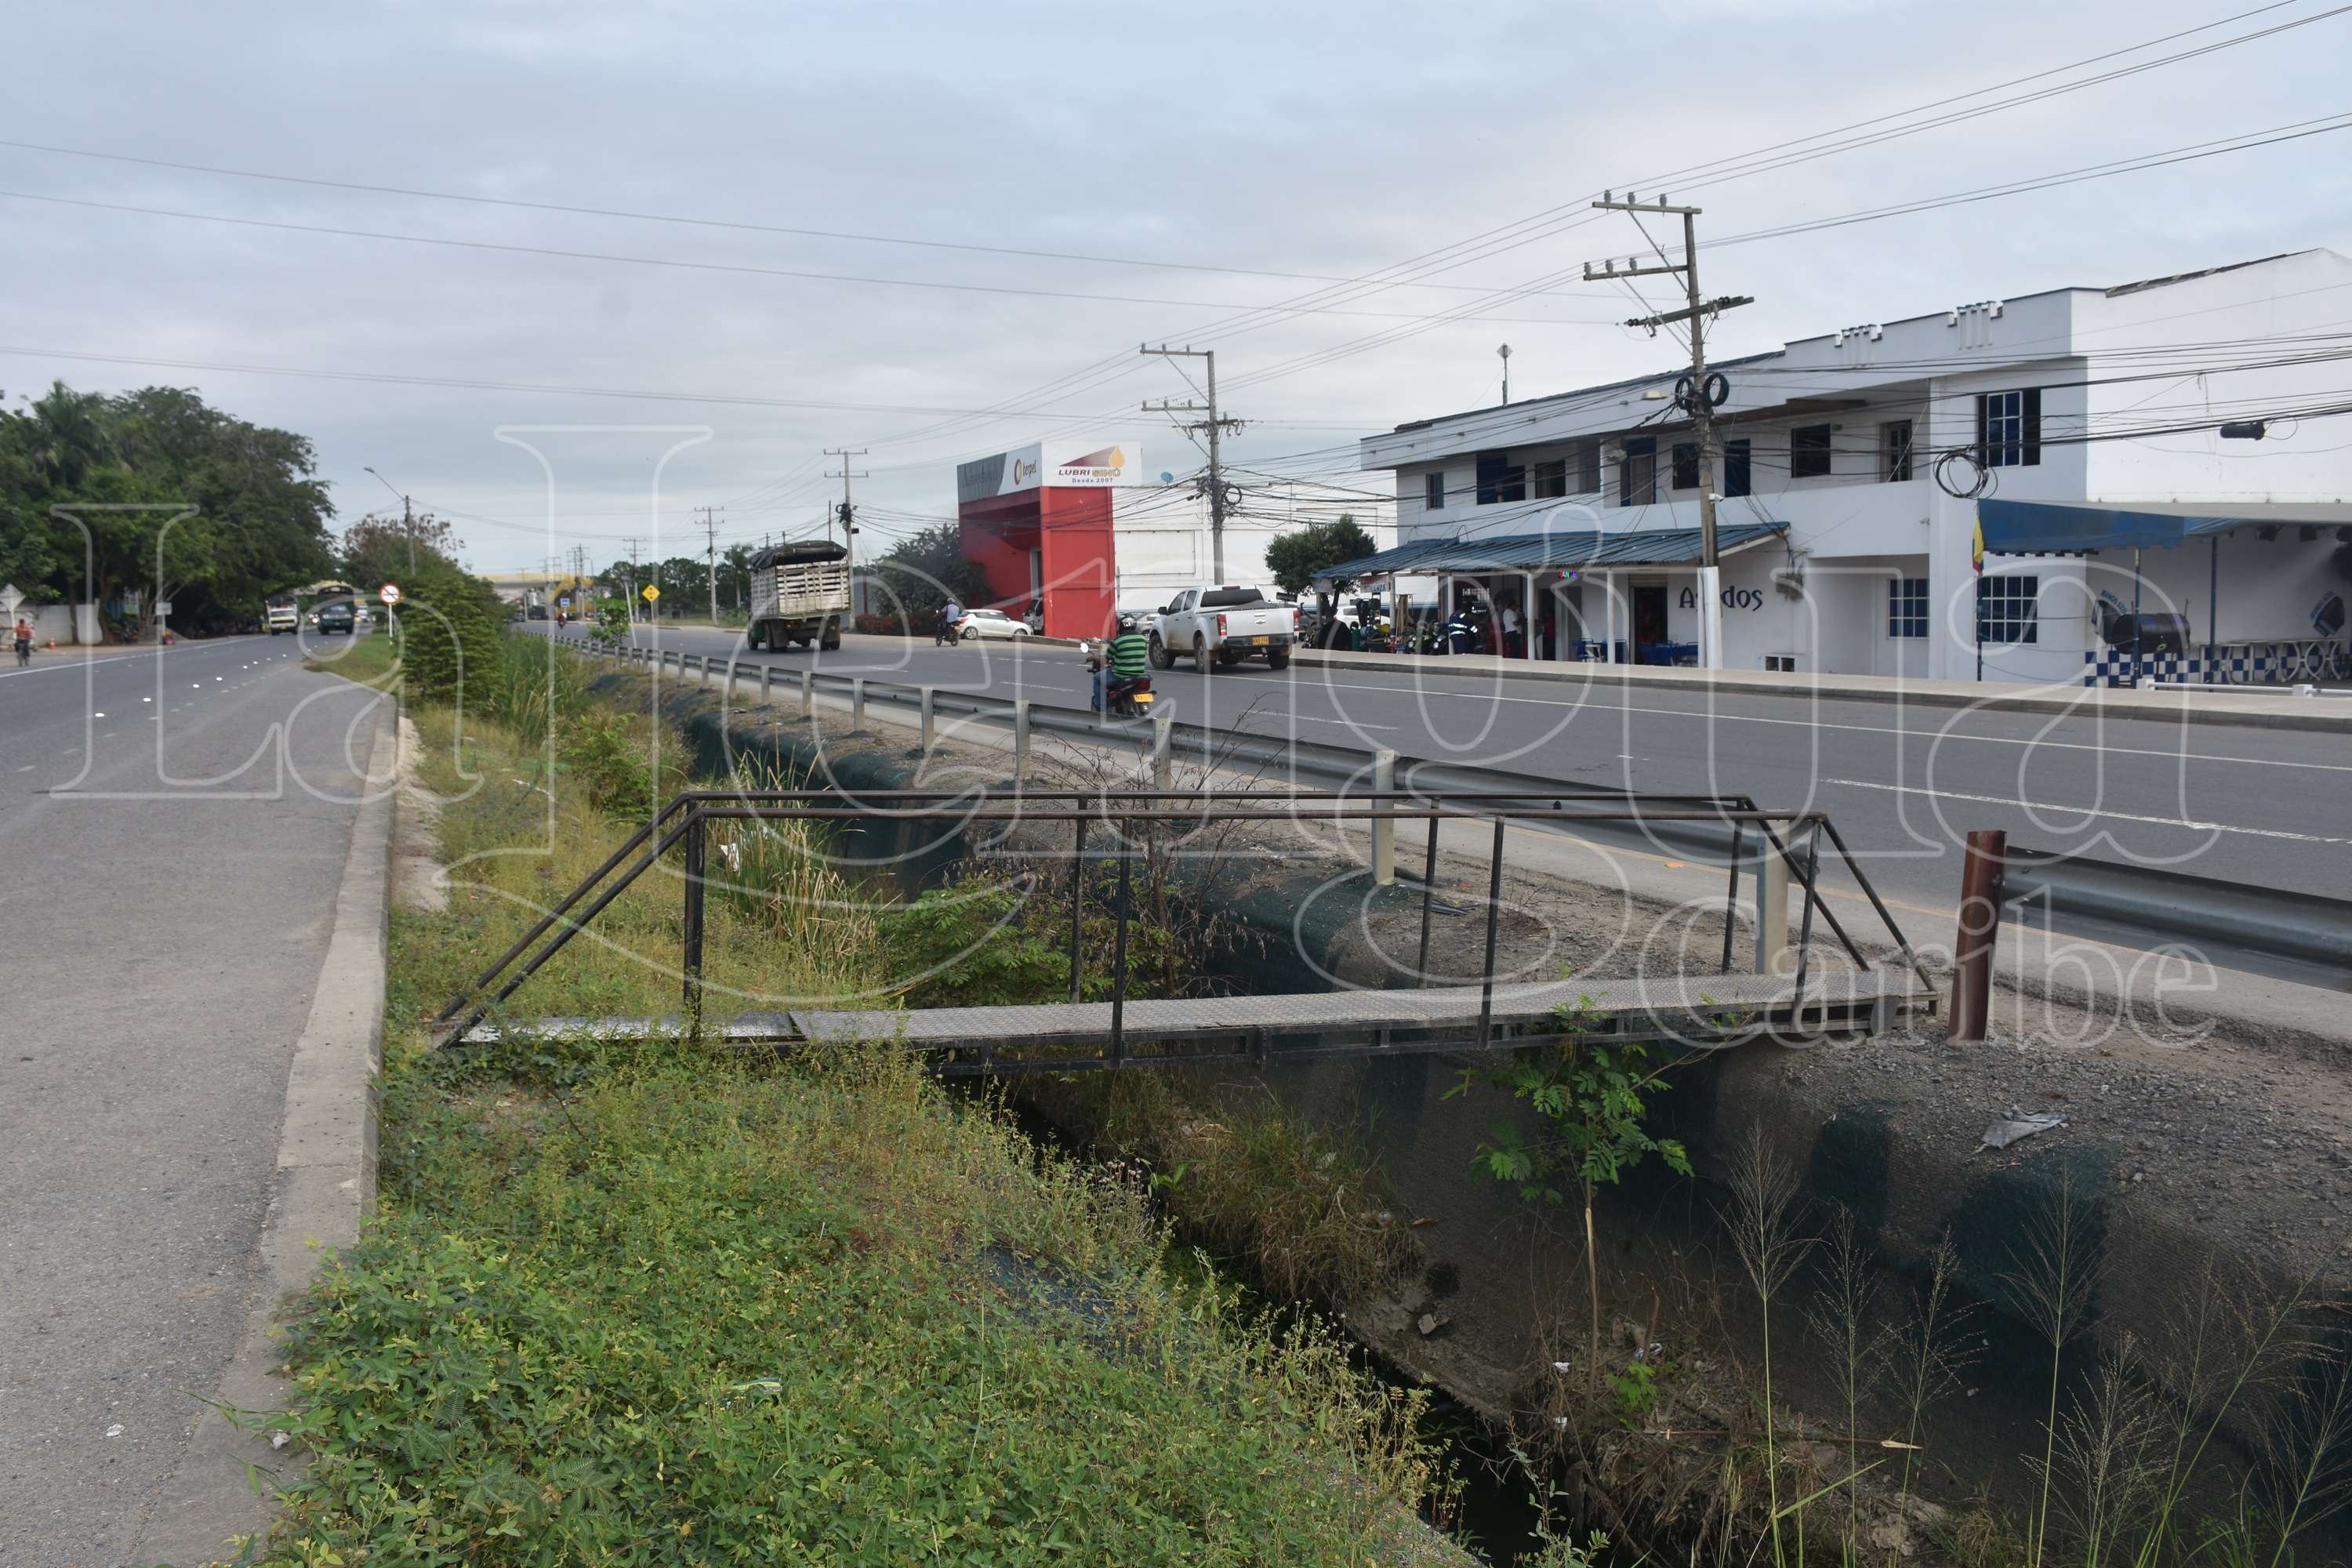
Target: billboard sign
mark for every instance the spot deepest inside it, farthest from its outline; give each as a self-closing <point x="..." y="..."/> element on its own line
<point x="1064" y="464"/>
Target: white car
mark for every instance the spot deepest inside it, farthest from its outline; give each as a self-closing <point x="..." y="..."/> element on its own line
<point x="975" y="625"/>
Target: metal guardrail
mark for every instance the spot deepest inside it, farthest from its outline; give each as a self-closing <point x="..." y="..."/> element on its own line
<point x="2292" y="936"/>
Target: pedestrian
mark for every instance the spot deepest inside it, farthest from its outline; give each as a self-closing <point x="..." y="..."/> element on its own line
<point x="1511" y="643"/>
<point x="24" y="639"/>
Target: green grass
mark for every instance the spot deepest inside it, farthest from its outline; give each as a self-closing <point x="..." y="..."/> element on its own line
<point x="656" y="1306"/>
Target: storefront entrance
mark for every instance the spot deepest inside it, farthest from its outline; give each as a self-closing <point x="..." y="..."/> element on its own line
<point x="1649" y="619"/>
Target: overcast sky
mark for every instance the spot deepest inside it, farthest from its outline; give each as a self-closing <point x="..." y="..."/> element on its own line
<point x="1323" y="139"/>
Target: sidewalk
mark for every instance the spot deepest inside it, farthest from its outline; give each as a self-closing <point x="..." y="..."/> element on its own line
<point x="2251" y="708"/>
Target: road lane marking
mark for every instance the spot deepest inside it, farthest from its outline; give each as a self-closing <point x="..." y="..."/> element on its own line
<point x="2044" y="808"/>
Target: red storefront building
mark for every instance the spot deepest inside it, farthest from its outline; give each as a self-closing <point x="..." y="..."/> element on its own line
<point x="1037" y="521"/>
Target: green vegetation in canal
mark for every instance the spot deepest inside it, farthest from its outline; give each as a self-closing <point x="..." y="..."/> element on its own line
<point x="648" y="1305"/>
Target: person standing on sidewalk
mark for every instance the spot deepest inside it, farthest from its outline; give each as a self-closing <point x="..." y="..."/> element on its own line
<point x="24" y="640"/>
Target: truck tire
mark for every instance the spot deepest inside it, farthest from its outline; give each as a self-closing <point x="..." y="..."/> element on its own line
<point x="755" y="639"/>
<point x="1277" y="658"/>
<point x="1157" y="653"/>
<point x="1200" y="659"/>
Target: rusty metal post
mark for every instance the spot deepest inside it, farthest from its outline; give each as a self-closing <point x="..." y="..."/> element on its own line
<point x="1731" y="899"/>
<point x="1428" y="893"/>
<point x="1980" y="879"/>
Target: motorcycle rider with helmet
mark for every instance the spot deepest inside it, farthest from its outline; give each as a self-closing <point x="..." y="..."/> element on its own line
<point x="1128" y="657"/>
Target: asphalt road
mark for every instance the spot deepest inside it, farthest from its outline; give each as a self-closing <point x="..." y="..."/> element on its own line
<point x="172" y="832"/>
<point x="2269" y="807"/>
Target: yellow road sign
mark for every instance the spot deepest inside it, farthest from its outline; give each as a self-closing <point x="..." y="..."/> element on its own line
<point x="651" y="593"/>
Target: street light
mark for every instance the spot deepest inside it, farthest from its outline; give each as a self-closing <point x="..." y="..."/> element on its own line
<point x="407" y="517"/>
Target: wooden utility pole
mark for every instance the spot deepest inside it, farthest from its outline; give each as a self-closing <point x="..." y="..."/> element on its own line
<point x="1697" y="401"/>
<point x="1215" y="425"/>
<point x="849" y="521"/>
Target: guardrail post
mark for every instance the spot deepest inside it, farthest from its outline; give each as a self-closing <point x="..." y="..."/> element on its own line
<point x="857" y="705"/>
<point x="930" y="720"/>
<point x="1731" y="898"/>
<point x="1384" y="826"/>
<point x="1428" y="896"/>
<point x="767" y="684"/>
<point x="1772" y="907"/>
<point x="1981" y="877"/>
<point x="1163" y="762"/>
<point x="1020" y="740"/>
<point x="808" y="694"/>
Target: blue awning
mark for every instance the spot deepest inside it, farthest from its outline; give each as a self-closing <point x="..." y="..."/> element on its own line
<point x="2034" y="528"/>
<point x="1565" y="551"/>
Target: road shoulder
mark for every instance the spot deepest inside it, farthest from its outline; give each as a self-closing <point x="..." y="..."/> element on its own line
<point x="324" y="1186"/>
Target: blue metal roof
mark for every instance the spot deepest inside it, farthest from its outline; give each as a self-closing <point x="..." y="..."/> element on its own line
<point x="1562" y="551"/>
<point x="2036" y="528"/>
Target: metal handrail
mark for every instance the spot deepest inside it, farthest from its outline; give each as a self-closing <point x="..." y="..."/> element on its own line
<point x="685" y="818"/>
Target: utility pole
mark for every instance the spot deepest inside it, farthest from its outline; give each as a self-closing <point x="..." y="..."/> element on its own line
<point x="634" y="545"/>
<point x="849" y="520"/>
<point x="1215" y="425"/>
<point x="1697" y="404"/>
<point x="710" y="552"/>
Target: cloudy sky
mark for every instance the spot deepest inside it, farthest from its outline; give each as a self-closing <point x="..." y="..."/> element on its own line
<point x="805" y="211"/>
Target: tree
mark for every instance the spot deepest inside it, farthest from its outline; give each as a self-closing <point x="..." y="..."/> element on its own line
<point x="735" y="577"/>
<point x="1297" y="557"/>
<point x="376" y="549"/>
<point x="154" y="494"/>
<point x="920" y="571"/>
<point x="1591" y="1098"/>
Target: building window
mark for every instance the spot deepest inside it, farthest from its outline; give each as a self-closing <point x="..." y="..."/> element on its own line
<point x="1500" y="480"/>
<point x="1550" y="479"/>
<point x="2009" y="429"/>
<point x="1906" y="607"/>
<point x="1809" y="451"/>
<point x="1895" y="450"/>
<point x="1587" y="469"/>
<point x="1735" y="469"/>
<point x="1433" y="490"/>
<point x="1685" y="457"/>
<point x="2009" y="610"/>
<point x="1637" y="476"/>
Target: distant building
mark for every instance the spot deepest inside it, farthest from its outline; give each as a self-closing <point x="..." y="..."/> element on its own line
<point x="1841" y="552"/>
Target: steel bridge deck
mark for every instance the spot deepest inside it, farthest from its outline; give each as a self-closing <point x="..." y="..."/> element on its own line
<point x="1707" y="1009"/>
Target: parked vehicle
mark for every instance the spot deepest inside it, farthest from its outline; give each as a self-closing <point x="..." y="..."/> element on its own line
<point x="1217" y="627"/>
<point x="800" y="594"/>
<point x="975" y="625"/>
<point x="337" y="618"/>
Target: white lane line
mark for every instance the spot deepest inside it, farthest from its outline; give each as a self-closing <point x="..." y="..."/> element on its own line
<point x="1876" y="729"/>
<point x="25" y="769"/>
<point x="2044" y="809"/>
<point x="77" y="664"/>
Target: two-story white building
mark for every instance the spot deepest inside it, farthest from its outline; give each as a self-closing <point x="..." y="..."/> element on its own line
<point x="1859" y="465"/>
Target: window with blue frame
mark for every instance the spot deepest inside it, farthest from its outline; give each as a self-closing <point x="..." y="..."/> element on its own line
<point x="2009" y="610"/>
<point x="1500" y="480"/>
<point x="1906" y="607"/>
<point x="2009" y="429"/>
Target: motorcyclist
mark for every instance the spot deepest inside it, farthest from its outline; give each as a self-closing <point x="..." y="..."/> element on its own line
<point x="1127" y="657"/>
<point x="949" y="614"/>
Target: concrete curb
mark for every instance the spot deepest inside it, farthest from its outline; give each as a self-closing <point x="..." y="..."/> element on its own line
<point x="2329" y="715"/>
<point x="325" y="1187"/>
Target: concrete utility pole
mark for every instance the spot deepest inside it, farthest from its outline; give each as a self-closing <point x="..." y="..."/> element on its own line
<point x="1700" y="407"/>
<point x="635" y="545"/>
<point x="1215" y="425"/>
<point x="849" y="520"/>
<point x="710" y="552"/>
<point x="407" y="517"/>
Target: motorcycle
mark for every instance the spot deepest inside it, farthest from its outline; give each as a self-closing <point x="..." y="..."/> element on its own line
<point x="943" y="634"/>
<point x="1125" y="697"/>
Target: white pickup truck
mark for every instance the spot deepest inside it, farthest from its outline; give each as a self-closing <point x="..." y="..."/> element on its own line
<point x="1219" y="627"/>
